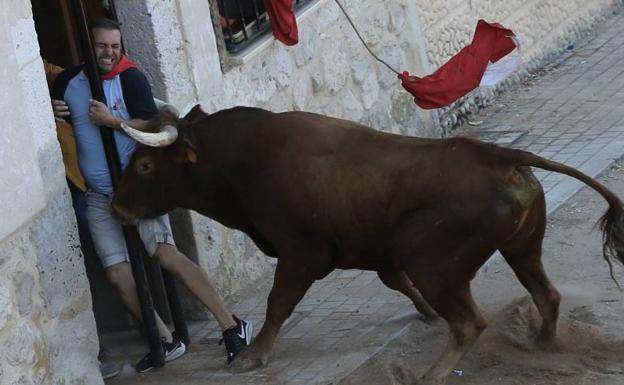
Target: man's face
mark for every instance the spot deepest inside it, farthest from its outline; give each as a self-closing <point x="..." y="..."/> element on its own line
<point x="107" y="48"/>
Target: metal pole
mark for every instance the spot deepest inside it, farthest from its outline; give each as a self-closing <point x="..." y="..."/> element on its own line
<point x="175" y="307"/>
<point x="133" y="241"/>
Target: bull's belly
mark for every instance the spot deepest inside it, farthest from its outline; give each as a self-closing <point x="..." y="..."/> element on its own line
<point x="424" y="241"/>
<point x="363" y="258"/>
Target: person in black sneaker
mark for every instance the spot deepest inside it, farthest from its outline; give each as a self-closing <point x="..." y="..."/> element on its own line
<point x="109" y="369"/>
<point x="172" y="350"/>
<point x="236" y="338"/>
<point x="129" y="99"/>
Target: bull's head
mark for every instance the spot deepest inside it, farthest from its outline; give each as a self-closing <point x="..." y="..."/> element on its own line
<point x="159" y="167"/>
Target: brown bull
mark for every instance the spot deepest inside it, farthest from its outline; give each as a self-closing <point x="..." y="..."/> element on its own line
<point x="320" y="193"/>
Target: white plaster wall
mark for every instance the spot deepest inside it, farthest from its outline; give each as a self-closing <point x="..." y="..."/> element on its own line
<point x="21" y="183"/>
<point x="46" y="322"/>
<point x="330" y="72"/>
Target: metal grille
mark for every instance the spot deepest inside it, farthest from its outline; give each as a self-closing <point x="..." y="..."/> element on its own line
<point x="244" y="21"/>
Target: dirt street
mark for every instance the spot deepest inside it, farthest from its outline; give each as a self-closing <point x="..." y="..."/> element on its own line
<point x="591" y="327"/>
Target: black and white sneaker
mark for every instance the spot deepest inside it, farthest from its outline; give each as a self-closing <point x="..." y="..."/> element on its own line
<point x="237" y="337"/>
<point x="109" y="369"/>
<point x="173" y="350"/>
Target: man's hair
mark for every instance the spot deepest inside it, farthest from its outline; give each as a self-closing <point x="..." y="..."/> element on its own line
<point x="104" y="23"/>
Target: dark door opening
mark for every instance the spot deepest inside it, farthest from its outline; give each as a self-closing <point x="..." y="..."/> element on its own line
<point x="59" y="45"/>
<point x="56" y="32"/>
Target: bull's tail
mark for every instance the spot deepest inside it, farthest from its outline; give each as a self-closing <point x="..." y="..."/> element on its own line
<point x="611" y="223"/>
<point x="612" y="238"/>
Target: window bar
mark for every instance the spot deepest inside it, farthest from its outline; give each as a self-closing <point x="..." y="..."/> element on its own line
<point x="241" y="20"/>
<point x="226" y="15"/>
<point x="247" y="22"/>
<point x="257" y="12"/>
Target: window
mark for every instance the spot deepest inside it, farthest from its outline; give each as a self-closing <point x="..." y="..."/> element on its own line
<point x="242" y="22"/>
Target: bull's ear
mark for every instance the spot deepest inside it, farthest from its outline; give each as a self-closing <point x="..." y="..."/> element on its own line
<point x="185" y="151"/>
<point x="190" y="150"/>
<point x="195" y="113"/>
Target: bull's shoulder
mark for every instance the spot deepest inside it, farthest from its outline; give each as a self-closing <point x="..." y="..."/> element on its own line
<point x="242" y="111"/>
<point x="235" y="119"/>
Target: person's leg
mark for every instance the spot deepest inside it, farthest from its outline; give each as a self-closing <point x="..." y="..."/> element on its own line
<point x="196" y="280"/>
<point x="158" y="240"/>
<point x="110" y="246"/>
<point x="120" y="276"/>
<point x="108" y="368"/>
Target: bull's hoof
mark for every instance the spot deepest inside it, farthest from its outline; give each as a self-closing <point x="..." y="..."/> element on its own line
<point x="551" y="345"/>
<point x="248" y="360"/>
<point x="400" y="374"/>
<point x="429" y="318"/>
<point x="427" y="380"/>
<point x="426" y="312"/>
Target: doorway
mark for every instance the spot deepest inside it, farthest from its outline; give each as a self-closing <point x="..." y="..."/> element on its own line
<point x="59" y="45"/>
<point x="56" y="31"/>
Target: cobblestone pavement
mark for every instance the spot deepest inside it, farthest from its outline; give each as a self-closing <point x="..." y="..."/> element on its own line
<point x="572" y="112"/>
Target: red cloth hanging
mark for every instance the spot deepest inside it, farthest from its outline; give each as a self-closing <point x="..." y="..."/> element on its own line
<point x="463" y="72"/>
<point x="283" y="21"/>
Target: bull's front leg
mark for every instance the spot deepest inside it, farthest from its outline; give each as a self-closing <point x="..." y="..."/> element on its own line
<point x="290" y="284"/>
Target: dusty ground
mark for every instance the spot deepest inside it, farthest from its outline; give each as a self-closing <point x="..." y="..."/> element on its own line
<point x="591" y="326"/>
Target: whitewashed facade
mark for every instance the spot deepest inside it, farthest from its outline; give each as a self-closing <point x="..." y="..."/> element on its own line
<point x="47" y="328"/>
<point x="45" y="305"/>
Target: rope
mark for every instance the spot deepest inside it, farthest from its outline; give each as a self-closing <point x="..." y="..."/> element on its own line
<point x="362" y="40"/>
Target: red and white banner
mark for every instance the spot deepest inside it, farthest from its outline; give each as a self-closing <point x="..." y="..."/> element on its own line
<point x="476" y="64"/>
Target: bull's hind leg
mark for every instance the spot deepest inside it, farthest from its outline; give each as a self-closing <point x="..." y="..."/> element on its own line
<point x="528" y="267"/>
<point x="523" y="253"/>
<point x="399" y="281"/>
<point x="465" y="321"/>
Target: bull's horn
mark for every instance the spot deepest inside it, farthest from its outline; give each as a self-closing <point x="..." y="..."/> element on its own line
<point x="167" y="135"/>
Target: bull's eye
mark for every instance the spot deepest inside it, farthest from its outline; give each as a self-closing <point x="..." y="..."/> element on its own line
<point x="145" y="166"/>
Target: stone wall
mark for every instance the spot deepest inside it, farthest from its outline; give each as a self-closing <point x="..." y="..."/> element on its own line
<point x="46" y="325"/>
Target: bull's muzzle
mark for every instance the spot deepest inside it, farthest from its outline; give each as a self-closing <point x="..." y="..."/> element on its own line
<point x="125" y="216"/>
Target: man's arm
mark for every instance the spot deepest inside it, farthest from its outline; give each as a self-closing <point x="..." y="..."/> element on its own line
<point x="57" y="93"/>
<point x="138" y="99"/>
<point x="60" y="109"/>
<point x="101" y="116"/>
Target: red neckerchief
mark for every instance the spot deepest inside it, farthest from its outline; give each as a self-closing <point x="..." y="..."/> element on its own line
<point x="123" y="64"/>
